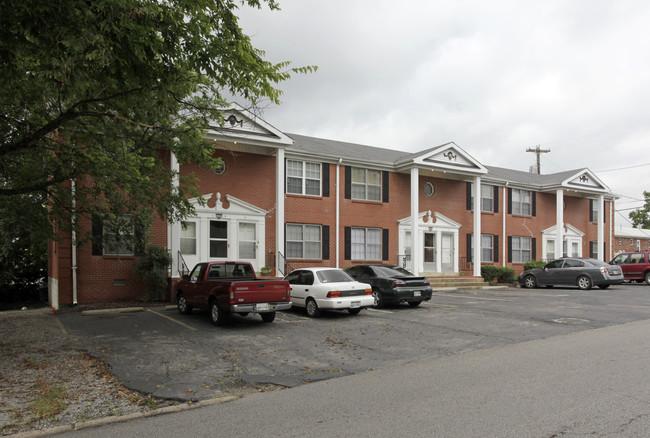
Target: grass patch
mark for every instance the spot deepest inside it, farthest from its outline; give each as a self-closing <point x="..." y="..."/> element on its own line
<point x="50" y="403"/>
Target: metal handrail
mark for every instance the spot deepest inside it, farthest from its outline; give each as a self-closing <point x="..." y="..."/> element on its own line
<point x="181" y="264"/>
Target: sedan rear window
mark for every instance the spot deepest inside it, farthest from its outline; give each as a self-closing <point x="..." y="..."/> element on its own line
<point x="333" y="276"/>
<point x="386" y="271"/>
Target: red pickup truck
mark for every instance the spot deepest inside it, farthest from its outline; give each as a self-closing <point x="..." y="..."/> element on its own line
<point x="231" y="287"/>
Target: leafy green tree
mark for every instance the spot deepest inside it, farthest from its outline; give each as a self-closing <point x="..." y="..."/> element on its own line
<point x="99" y="92"/>
<point x="641" y="216"/>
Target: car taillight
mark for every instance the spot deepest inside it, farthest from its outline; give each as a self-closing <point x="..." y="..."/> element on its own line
<point x="426" y="281"/>
<point x="398" y="283"/>
<point x="368" y="291"/>
<point x="334" y="294"/>
<point x="288" y="290"/>
<point x="231" y="289"/>
<point x="603" y="270"/>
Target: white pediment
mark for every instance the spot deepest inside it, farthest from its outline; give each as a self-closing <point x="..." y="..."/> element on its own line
<point x="431" y="219"/>
<point x="569" y="231"/>
<point x="450" y="157"/>
<point x="241" y="125"/>
<point x="215" y="203"/>
<point x="585" y="179"/>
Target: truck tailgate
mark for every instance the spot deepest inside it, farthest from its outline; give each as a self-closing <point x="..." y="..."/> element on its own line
<point x="262" y="291"/>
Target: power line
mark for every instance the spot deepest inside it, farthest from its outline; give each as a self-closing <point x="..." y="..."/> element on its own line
<point x="622" y="168"/>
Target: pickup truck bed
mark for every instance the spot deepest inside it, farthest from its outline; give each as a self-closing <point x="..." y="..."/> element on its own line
<point x="226" y="288"/>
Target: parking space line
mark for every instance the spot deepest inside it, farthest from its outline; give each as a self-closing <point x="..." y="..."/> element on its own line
<point x="379" y="311"/>
<point x="172" y="319"/>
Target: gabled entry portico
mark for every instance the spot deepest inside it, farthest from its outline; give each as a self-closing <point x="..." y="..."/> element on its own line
<point x="447" y="161"/>
<point x="438" y="249"/>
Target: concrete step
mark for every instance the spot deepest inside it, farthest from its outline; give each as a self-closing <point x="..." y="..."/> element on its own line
<point x="457" y="282"/>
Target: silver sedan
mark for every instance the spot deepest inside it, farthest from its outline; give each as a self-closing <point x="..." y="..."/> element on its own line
<point x="582" y="272"/>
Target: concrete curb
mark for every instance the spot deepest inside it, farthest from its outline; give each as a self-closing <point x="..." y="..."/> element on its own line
<point x="113" y="310"/>
<point x="110" y="420"/>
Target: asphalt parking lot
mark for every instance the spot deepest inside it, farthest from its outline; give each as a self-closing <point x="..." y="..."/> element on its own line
<point x="184" y="357"/>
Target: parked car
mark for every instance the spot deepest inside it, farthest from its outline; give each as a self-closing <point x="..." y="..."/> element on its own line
<point x="227" y="288"/>
<point x="318" y="289"/>
<point x="635" y="265"/>
<point x="581" y="272"/>
<point x="392" y="284"/>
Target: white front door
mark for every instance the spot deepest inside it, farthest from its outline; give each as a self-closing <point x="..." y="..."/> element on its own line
<point x="447" y="252"/>
<point x="430" y="252"/>
<point x="247" y="241"/>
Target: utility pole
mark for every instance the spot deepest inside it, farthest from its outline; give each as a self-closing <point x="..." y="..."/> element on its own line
<point x="538" y="152"/>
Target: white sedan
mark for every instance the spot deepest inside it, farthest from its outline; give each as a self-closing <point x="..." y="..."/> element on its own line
<point x="318" y="289"/>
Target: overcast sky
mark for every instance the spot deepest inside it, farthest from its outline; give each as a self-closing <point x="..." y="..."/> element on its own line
<point x="495" y="77"/>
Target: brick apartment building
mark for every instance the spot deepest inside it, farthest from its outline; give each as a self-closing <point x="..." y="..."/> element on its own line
<point x="631" y="239"/>
<point x="289" y="201"/>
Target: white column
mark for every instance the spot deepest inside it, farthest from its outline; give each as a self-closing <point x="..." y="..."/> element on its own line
<point x="279" y="213"/>
<point x="338" y="210"/>
<point x="174" y="229"/>
<point x="504" y="243"/>
<point x="476" y="257"/>
<point x="559" y="223"/>
<point x="601" y="227"/>
<point x="416" y="243"/>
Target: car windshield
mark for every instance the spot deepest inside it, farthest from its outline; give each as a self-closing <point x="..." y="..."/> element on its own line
<point x="333" y="276"/>
<point x="391" y="271"/>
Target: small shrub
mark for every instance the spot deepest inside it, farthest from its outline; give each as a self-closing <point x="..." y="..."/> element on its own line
<point x="497" y="274"/>
<point x="533" y="264"/>
<point x="152" y="268"/>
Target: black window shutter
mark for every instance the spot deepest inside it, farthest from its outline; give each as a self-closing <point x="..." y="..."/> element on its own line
<point x="509" y="203"/>
<point x="591" y="210"/>
<point x="139" y="238"/>
<point x="347" y="243"/>
<point x="348" y="182"/>
<point x="384" y="187"/>
<point x="509" y="248"/>
<point x="533" y="251"/>
<point x="533" y="199"/>
<point x="469" y="247"/>
<point x="469" y="195"/>
<point x="384" y="244"/>
<point x="98" y="236"/>
<point x="496" y="199"/>
<point x="285" y="176"/>
<point x="605" y="212"/>
<point x="326" y="180"/>
<point x="495" y="249"/>
<point x="326" y="242"/>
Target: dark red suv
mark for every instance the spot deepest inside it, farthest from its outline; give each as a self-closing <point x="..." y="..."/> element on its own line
<point x="635" y="265"/>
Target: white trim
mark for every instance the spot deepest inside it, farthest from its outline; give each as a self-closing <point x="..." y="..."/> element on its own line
<point x="279" y="213"/>
<point x="476" y="257"/>
<point x="415" y="240"/>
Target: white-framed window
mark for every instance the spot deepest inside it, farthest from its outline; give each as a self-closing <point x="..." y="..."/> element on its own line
<point x="521" y="202"/>
<point x="188" y="238"/>
<point x="366" y="243"/>
<point x="366" y="184"/>
<point x="487" y="197"/>
<point x="487" y="250"/>
<point x="304" y="241"/>
<point x="303" y="178"/>
<point x="593" y="214"/>
<point x="521" y="249"/>
<point x="218" y="239"/>
<point x="119" y="236"/>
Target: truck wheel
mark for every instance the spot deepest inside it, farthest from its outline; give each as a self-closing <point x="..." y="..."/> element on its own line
<point x="647" y="278"/>
<point x="217" y="316"/>
<point x="268" y="316"/>
<point x="312" y="308"/>
<point x="183" y="307"/>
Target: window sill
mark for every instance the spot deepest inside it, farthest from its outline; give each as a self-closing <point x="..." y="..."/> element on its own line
<point x="118" y="257"/>
<point x="363" y="201"/>
<point x="525" y="216"/>
<point x="299" y="196"/>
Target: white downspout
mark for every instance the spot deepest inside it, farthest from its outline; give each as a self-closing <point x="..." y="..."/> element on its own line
<point x="476" y="256"/>
<point x="338" y="209"/>
<point x="73" y="190"/>
<point x="279" y="212"/>
<point x="601" y="228"/>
